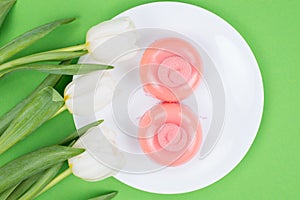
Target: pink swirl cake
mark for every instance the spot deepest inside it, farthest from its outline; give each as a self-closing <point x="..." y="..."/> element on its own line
<point x="170" y="69"/>
<point x="170" y="134"/>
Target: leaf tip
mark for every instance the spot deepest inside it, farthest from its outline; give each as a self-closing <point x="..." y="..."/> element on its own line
<point x="56" y="96"/>
<point x="68" y="20"/>
<point x="100" y="121"/>
<point x="80" y="150"/>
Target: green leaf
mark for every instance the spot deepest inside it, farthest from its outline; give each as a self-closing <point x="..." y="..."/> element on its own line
<point x="44" y="56"/>
<point x="33" y="163"/>
<point x="50" y="80"/>
<point x="46" y="178"/>
<point x="28" y="38"/>
<point x="45" y="182"/>
<point x="106" y="196"/>
<point x="41" y="108"/>
<point x="76" y="134"/>
<point x="23" y="187"/>
<point x="5" y="6"/>
<point x="74" y="69"/>
<point x="6" y="193"/>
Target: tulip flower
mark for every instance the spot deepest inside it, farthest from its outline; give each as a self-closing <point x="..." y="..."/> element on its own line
<point x="34" y="173"/>
<point x="111" y="40"/>
<point x="101" y="159"/>
<point x="89" y="93"/>
<point x="105" y="42"/>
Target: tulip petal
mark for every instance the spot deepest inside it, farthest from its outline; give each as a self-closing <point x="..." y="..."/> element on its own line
<point x="110" y="28"/>
<point x="110" y="40"/>
<point x="113" y="49"/>
<point x="89" y="93"/>
<point x="101" y="158"/>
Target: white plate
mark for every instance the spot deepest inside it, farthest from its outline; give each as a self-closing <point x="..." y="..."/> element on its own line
<point x="243" y="90"/>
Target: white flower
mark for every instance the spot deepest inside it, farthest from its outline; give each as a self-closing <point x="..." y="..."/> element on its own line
<point x="108" y="43"/>
<point x="112" y="40"/>
<point x="89" y="93"/>
<point x="101" y="158"/>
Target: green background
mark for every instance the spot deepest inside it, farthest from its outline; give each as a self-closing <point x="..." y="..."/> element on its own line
<point x="271" y="169"/>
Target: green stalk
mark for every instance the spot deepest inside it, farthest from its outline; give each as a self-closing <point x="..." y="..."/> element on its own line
<point x="76" y="134"/>
<point x="51" y="80"/>
<point x="81" y="47"/>
<point x="38" y="186"/>
<point x="4" y="195"/>
<point x="23" y="187"/>
<point x="105" y="196"/>
<point x="33" y="163"/>
<point x="44" y="56"/>
<point x="67" y="141"/>
<point x="62" y="109"/>
<point x="73" y="69"/>
<point x="41" y="108"/>
<point x="5" y="7"/>
<point x="46" y="181"/>
<point x="56" y="180"/>
<point x="28" y="38"/>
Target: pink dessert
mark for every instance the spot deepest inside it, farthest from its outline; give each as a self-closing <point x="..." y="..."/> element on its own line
<point x="170" y="69"/>
<point x="170" y="134"/>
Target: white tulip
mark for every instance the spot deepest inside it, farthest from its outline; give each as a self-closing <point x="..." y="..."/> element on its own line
<point x="89" y="93"/>
<point x="101" y="158"/>
<point x="108" y="43"/>
<point x="112" y="40"/>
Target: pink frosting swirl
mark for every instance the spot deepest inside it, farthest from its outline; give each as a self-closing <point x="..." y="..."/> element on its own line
<point x="170" y="69"/>
<point x="170" y="134"/>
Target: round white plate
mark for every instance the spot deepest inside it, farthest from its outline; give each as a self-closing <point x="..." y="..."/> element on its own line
<point x="243" y="92"/>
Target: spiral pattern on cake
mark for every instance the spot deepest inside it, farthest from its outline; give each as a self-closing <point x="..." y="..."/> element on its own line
<point x="170" y="134"/>
<point x="170" y="69"/>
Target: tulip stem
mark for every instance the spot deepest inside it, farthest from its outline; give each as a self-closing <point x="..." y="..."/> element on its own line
<point x="72" y="48"/>
<point x="56" y="180"/>
<point x="62" y="109"/>
<point x="52" y="55"/>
